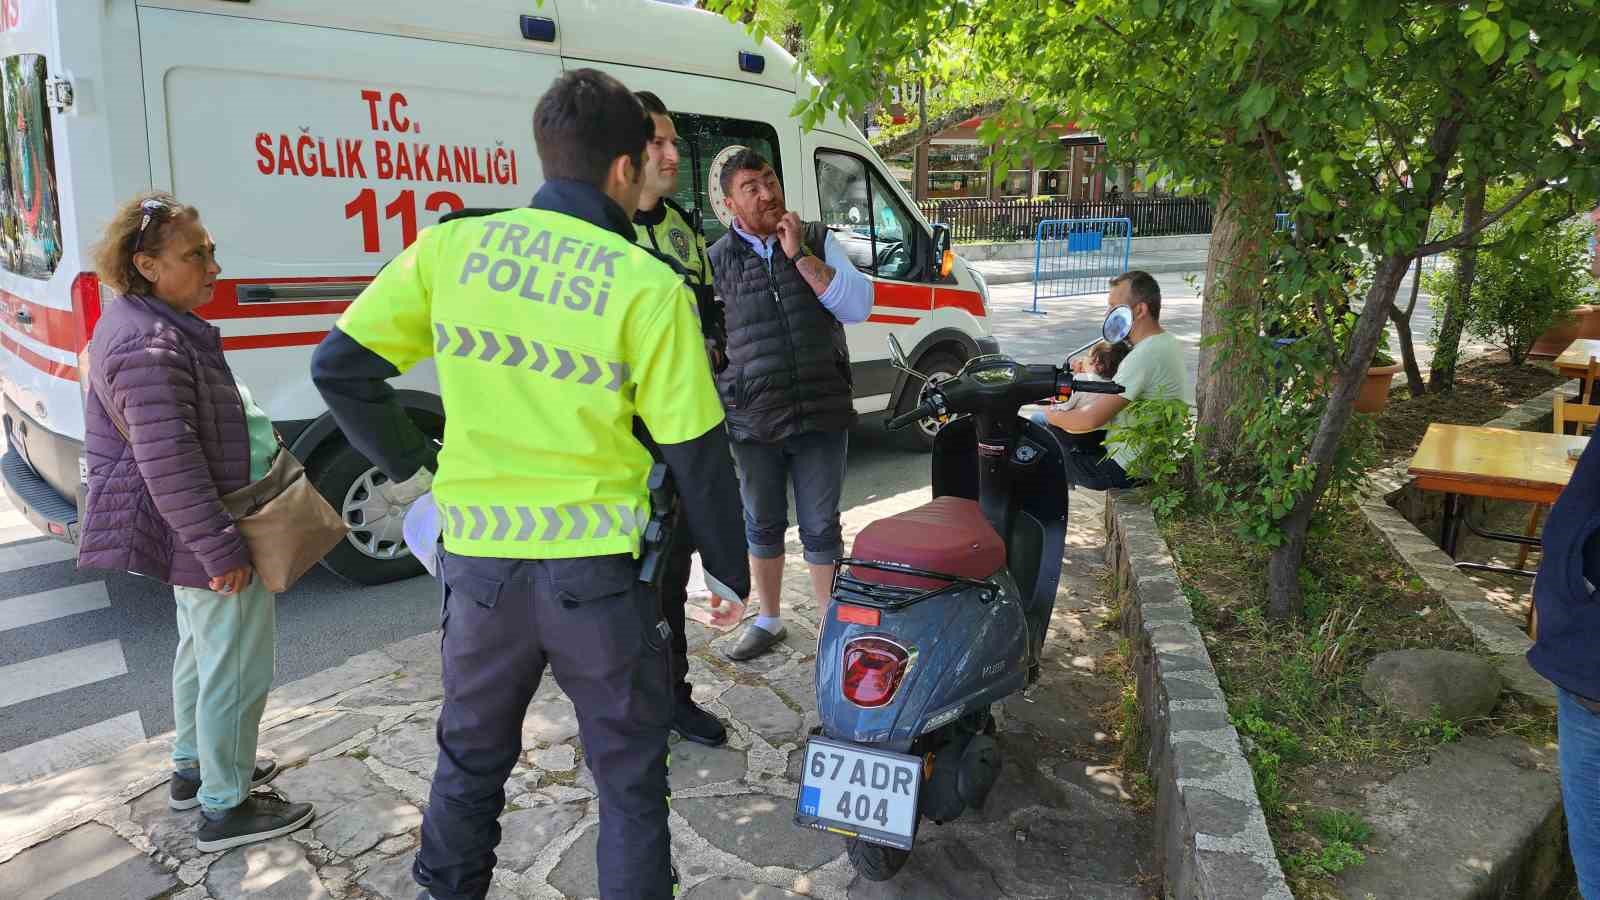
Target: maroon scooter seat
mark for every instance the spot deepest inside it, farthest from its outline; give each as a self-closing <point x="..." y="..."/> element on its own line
<point x="949" y="536"/>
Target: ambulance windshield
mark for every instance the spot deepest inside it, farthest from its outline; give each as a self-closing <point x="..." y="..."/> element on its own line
<point x="30" y="224"/>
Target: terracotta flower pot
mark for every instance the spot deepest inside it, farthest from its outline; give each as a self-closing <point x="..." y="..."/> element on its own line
<point x="1374" y="394"/>
<point x="1589" y="322"/>
<point x="1582" y="322"/>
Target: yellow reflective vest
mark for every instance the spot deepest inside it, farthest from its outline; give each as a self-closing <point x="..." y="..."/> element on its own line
<point x="550" y="334"/>
<point x="673" y="236"/>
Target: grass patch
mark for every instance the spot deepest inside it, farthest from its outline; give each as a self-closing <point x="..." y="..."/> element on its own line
<point x="1312" y="738"/>
<point x="1121" y="719"/>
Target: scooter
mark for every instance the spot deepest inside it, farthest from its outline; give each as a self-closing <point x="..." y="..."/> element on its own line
<point x="940" y="612"/>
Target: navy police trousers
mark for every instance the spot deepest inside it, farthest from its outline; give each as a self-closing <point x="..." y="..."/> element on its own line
<point x="602" y="634"/>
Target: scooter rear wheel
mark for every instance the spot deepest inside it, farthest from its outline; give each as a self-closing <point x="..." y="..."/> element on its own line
<point x="875" y="862"/>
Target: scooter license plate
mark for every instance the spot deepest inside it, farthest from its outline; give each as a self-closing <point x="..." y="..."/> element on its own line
<point x="866" y="794"/>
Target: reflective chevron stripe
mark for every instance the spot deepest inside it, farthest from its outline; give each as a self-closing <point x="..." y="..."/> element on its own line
<point x="517" y="352"/>
<point x="545" y="524"/>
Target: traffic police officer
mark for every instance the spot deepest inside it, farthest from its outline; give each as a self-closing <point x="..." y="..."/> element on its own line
<point x="666" y="229"/>
<point x="551" y="330"/>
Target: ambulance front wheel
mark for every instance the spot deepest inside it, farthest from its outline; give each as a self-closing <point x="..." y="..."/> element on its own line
<point x="375" y="551"/>
<point x="937" y="366"/>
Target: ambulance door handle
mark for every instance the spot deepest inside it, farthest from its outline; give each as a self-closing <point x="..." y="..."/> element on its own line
<point x="539" y="28"/>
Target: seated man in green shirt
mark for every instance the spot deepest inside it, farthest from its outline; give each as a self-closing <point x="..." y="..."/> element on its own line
<point x="1153" y="370"/>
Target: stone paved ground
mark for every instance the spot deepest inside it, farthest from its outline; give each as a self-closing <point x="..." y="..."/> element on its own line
<point x="359" y="739"/>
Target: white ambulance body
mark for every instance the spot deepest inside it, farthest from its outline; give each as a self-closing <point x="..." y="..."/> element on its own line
<point x="317" y="137"/>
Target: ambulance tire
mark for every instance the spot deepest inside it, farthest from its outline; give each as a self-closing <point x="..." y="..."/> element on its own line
<point x="340" y="472"/>
<point x="937" y="365"/>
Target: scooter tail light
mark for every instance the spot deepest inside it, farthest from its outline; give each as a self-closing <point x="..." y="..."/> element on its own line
<point x="873" y="670"/>
<point x="856" y="615"/>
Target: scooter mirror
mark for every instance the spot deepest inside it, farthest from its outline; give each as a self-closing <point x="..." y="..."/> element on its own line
<point x="1118" y="325"/>
<point x="896" y="354"/>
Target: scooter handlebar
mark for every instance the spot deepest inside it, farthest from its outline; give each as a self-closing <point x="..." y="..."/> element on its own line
<point x="1096" y="387"/>
<point x="925" y="411"/>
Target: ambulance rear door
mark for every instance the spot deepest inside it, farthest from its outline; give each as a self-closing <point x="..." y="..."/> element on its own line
<point x="317" y="139"/>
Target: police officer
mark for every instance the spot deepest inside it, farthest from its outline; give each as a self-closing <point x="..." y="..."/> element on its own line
<point x="666" y="229"/>
<point x="551" y="330"/>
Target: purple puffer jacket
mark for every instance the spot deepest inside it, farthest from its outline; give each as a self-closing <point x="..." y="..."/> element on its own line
<point x="154" y="506"/>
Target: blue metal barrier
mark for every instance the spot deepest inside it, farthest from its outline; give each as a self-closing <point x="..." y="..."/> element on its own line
<point x="1076" y="256"/>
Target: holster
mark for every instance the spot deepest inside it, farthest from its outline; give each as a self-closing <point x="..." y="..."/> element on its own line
<point x="713" y="321"/>
<point x="661" y="530"/>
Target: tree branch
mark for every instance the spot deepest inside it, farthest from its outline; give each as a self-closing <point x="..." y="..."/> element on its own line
<point x="1467" y="234"/>
<point x="910" y="139"/>
<point x="1272" y="157"/>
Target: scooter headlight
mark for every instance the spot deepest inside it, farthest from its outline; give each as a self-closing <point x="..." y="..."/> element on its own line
<point x="873" y="670"/>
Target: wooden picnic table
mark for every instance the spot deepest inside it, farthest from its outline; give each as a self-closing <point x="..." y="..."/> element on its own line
<point x="1500" y="463"/>
<point x="1574" y="361"/>
<point x="1497" y="463"/>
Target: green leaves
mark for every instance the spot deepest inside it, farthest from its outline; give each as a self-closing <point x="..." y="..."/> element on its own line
<point x="1355" y="74"/>
<point x="1484" y="33"/>
<point x="1256" y="102"/>
<point x="1377" y="41"/>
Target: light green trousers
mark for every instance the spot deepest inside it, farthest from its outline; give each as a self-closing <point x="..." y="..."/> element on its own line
<point x="220" y="680"/>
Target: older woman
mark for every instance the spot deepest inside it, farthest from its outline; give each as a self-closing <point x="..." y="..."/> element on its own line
<point x="169" y="432"/>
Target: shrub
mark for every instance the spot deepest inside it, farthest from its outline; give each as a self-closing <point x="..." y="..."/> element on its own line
<point x="1161" y="433"/>
<point x="1529" y="276"/>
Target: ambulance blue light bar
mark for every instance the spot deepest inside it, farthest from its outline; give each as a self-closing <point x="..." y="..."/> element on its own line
<point x="539" y="28"/>
<point x="754" y="63"/>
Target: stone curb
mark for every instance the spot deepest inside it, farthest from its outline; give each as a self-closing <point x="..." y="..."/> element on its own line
<point x="1491" y="629"/>
<point x="1212" y="832"/>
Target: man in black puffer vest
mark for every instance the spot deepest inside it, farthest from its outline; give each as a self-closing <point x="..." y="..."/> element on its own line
<point x="788" y="290"/>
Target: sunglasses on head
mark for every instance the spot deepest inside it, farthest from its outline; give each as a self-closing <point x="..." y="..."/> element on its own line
<point x="151" y="209"/>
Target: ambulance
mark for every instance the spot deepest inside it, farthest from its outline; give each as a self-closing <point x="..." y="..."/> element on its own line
<point x="318" y="137"/>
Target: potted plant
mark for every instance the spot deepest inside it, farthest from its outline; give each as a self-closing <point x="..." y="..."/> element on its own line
<point x="1374" y="394"/>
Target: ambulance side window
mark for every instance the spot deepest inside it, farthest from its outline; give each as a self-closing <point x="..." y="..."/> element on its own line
<point x="700" y="139"/>
<point x="864" y="216"/>
<point x="30" y="224"/>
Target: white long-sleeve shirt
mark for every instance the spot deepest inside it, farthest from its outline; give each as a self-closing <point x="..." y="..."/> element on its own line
<point x="848" y="297"/>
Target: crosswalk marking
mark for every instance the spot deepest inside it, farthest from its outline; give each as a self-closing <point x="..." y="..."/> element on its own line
<point x="80" y="747"/>
<point x="46" y="675"/>
<point x="31" y="609"/>
<point x="35" y="553"/>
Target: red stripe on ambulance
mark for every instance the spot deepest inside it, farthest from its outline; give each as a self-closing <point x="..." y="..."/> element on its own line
<point x="48" y="366"/>
<point x="902" y="296"/>
<point x="263" y="341"/>
<point x="971" y="301"/>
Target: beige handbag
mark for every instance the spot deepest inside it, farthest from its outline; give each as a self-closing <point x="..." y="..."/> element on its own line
<point x="285" y="522"/>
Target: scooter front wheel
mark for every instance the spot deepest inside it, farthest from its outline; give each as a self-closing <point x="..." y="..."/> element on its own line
<point x="875" y="862"/>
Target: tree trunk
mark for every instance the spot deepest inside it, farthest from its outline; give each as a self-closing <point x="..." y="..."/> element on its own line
<point x="1442" y="374"/>
<point x="1402" y="329"/>
<point x="1231" y="306"/>
<point x="1283" y="571"/>
<point x="919" y="164"/>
